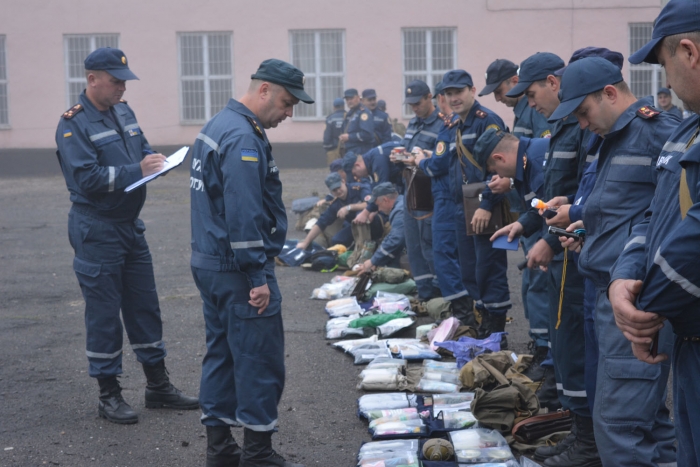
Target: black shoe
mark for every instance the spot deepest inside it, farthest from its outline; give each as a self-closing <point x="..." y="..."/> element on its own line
<point x="545" y="452"/>
<point x="497" y="323"/>
<point x="112" y="405"/>
<point x="536" y="371"/>
<point x="258" y="452"/>
<point x="222" y="450"/>
<point x="463" y="310"/>
<point x="161" y="394"/>
<point x="583" y="452"/>
<point x="485" y="326"/>
<point x="547" y="391"/>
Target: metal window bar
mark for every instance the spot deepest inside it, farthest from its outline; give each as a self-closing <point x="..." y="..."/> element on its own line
<point x="4" y="107"/>
<point x="77" y="48"/>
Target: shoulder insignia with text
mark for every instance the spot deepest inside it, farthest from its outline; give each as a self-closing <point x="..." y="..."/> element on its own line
<point x="647" y="112"/>
<point x="480" y="114"/>
<point x="255" y="126"/>
<point x="70" y="113"/>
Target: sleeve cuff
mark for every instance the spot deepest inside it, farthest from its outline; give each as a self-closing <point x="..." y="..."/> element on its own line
<point x="256" y="278"/>
<point x="553" y="242"/>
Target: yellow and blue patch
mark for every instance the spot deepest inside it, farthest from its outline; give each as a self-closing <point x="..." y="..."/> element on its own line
<point x="67" y="134"/>
<point x="249" y="155"/>
<point x="493" y="126"/>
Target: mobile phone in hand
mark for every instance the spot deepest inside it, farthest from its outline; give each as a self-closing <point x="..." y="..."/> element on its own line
<point x="564" y="233"/>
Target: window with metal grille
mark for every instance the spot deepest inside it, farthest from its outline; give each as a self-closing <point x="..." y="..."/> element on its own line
<point x="206" y="74"/>
<point x="321" y="56"/>
<point x="645" y="78"/>
<point x="4" y="108"/>
<point x="427" y="55"/>
<point x="77" y="48"/>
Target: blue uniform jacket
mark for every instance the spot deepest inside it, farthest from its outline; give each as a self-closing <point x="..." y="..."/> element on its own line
<point x="529" y="122"/>
<point x="357" y="193"/>
<point x="624" y="187"/>
<point x="382" y="126"/>
<point x="422" y="133"/>
<point x="381" y="169"/>
<point x="662" y="250"/>
<point x="395" y="241"/>
<point x="238" y="219"/>
<point x="359" y="125"/>
<point x="438" y="166"/>
<point x="334" y="128"/>
<point x="585" y="187"/>
<point x="529" y="180"/>
<point x="100" y="159"/>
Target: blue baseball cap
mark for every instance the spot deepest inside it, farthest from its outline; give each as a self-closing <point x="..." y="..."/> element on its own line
<point x="677" y="17"/>
<point x="615" y="58"/>
<point x="336" y="165"/>
<point x="338" y="102"/>
<point x="582" y="78"/>
<point x="439" y="89"/>
<point x="286" y="75"/>
<point x="499" y="71"/>
<point x="663" y="91"/>
<point x="352" y="92"/>
<point x="459" y="79"/>
<point x="381" y="105"/>
<point x="485" y="145"/>
<point x="349" y="160"/>
<point x="382" y="189"/>
<point x="333" y="181"/>
<point x="113" y="61"/>
<point x="535" y="68"/>
<point x="415" y="91"/>
<point x="369" y="93"/>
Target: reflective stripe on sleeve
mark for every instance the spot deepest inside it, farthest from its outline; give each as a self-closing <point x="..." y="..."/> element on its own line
<point x="530" y="195"/>
<point x="383" y="250"/>
<point x="674" y="147"/>
<point x="208" y="141"/>
<point x="523" y="130"/>
<point x="111" y="179"/>
<point x="242" y="245"/>
<point x="641" y="240"/>
<point x="673" y="275"/>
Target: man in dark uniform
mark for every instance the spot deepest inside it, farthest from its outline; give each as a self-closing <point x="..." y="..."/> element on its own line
<point x="358" y="126"/>
<point x="382" y="125"/>
<point x="390" y="204"/>
<point x="239" y="225"/>
<point x="102" y="150"/>
<point x="334" y="128"/>
<point x="666" y="102"/>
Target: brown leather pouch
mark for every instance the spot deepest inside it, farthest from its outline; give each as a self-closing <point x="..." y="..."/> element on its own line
<point x="419" y="194"/>
<point x="471" y="198"/>
<point x="534" y="428"/>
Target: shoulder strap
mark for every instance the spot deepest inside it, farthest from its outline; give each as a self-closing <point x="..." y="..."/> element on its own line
<point x="463" y="152"/>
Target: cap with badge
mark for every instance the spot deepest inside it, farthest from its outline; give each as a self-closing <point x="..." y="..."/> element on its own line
<point x="458" y="79"/>
<point x="499" y="71"/>
<point x="338" y="102"/>
<point x="615" y="58"/>
<point x="286" y="75"/>
<point x="352" y="92"/>
<point x="677" y="17"/>
<point x="415" y="91"/>
<point x="485" y="145"/>
<point x="333" y="181"/>
<point x="535" y="68"/>
<point x="382" y="189"/>
<point x="113" y="61"/>
<point x="369" y="94"/>
<point x="349" y="160"/>
<point x="582" y="78"/>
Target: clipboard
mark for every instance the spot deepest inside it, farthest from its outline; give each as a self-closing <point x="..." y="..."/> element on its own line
<point x="175" y="159"/>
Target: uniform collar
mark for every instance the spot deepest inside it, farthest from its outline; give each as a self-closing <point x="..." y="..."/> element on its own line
<point x="520" y="107"/>
<point x="469" y="121"/>
<point x="432" y="117"/>
<point x="237" y="107"/>
<point x="559" y="125"/>
<point x="629" y="114"/>
<point x="95" y="115"/>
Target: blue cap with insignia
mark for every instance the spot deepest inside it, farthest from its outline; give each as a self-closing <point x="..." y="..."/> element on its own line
<point x="333" y="181"/>
<point x="352" y="92"/>
<point x="458" y="79"/>
<point x="582" y="78"/>
<point x="349" y="160"/>
<point x="499" y="71"/>
<point x="286" y="75"/>
<point x="381" y="105"/>
<point x="485" y="145"/>
<point x="113" y="61"/>
<point x="677" y="17"/>
<point x="415" y="91"/>
<point x="615" y="58"/>
<point x="664" y="91"/>
<point x="535" y="68"/>
<point x="369" y="93"/>
<point x="382" y="189"/>
<point x="338" y="102"/>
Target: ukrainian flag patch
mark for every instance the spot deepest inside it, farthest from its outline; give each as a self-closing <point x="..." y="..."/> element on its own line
<point x="67" y="134"/>
<point x="250" y="155"/>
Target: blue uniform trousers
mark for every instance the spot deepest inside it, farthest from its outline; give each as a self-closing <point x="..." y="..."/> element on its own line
<point x="535" y="291"/>
<point x="419" y="246"/>
<point x="591" y="371"/>
<point x="445" y="252"/>
<point x="243" y="370"/>
<point x="686" y="400"/>
<point x="630" y="408"/>
<point x="115" y="272"/>
<point x="568" y="342"/>
<point x="483" y="268"/>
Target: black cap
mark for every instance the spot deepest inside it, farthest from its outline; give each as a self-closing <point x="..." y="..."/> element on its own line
<point x="352" y="92"/>
<point x="615" y="58"/>
<point x="498" y="72"/>
<point x="485" y="145"/>
<point x="535" y="68"/>
<point x="382" y="189"/>
<point x="664" y="91"/>
<point x="113" y="61"/>
<point x="338" y="102"/>
<point x="369" y="93"/>
<point x="286" y="75"/>
<point x="415" y="91"/>
<point x="677" y="17"/>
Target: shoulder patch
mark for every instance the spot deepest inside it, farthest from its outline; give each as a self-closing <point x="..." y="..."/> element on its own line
<point x="255" y="126"/>
<point x="440" y="148"/>
<point x="647" y="112"/>
<point x="249" y="155"/>
<point x="70" y="113"/>
<point x="546" y="134"/>
<point x="493" y="126"/>
<point x="364" y="117"/>
<point x="367" y="198"/>
<point x="480" y="114"/>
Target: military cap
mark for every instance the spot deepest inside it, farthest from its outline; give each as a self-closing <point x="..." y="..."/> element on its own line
<point x="336" y="165"/>
<point x="664" y="91"/>
<point x="286" y="75"/>
<point x="113" y="61"/>
<point x="615" y="58"/>
<point x="349" y="160"/>
<point x="582" y="78"/>
<point x="499" y="71"/>
<point x="352" y="92"/>
<point x="459" y="79"/>
<point x="369" y="93"/>
<point x="333" y="181"/>
<point x="677" y="17"/>
<point x="415" y="91"/>
<point x="535" y="68"/>
<point x="338" y="102"/>
<point x="381" y="105"/>
<point x="382" y="189"/>
<point x="485" y="145"/>
<point x="439" y="89"/>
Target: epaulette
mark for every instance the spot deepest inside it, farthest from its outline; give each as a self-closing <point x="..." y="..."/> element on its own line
<point x="453" y="121"/>
<point x="255" y="125"/>
<point x="480" y="114"/>
<point x="70" y="113"/>
<point x="647" y="112"/>
<point x="122" y="101"/>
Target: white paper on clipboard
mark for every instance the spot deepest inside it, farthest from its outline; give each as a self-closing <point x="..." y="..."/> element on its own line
<point x="171" y="162"/>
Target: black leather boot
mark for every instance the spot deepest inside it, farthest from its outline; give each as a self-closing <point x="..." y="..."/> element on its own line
<point x="545" y="452"/>
<point x="161" y="394"/>
<point x="258" y="452"/>
<point x="485" y="326"/>
<point x="222" y="450"/>
<point x="463" y="310"/>
<point x="497" y="323"/>
<point x="112" y="405"/>
<point x="583" y="452"/>
<point x="547" y="393"/>
<point x="536" y="371"/>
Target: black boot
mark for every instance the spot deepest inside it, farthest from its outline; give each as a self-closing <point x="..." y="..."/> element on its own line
<point x="497" y="323"/>
<point x="545" y="452"/>
<point x="222" y="450"/>
<point x="463" y="310"/>
<point x="583" y="452"/>
<point x="547" y="392"/>
<point x="112" y="405"/>
<point x="160" y="393"/>
<point x="258" y="452"/>
<point x="485" y="326"/>
<point x="536" y="371"/>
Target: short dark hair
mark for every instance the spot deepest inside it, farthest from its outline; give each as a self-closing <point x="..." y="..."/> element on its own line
<point x="671" y="42"/>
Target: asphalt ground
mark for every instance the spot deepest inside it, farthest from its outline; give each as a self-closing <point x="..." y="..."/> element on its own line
<point x="48" y="404"/>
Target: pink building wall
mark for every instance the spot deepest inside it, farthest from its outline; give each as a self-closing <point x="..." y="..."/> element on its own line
<point x="486" y="30"/>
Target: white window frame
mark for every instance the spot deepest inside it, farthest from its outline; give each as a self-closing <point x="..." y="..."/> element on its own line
<point x="405" y="109"/>
<point x="316" y="74"/>
<point x="93" y="46"/>
<point x="206" y="77"/>
<point x="655" y="70"/>
<point x="3" y="44"/>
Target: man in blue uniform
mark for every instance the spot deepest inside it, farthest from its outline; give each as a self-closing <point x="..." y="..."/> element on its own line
<point x="634" y="134"/>
<point x="334" y="128"/>
<point x="561" y="171"/>
<point x="390" y="203"/>
<point x="382" y="125"/>
<point x="656" y="276"/>
<point x="102" y="150"/>
<point x="666" y="102"/>
<point x="239" y="226"/>
<point x="358" y="126"/>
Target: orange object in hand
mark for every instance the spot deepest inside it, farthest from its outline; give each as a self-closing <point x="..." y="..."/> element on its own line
<point x="538" y="204"/>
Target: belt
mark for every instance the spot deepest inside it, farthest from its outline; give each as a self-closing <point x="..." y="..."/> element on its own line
<point x="690" y="338"/>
